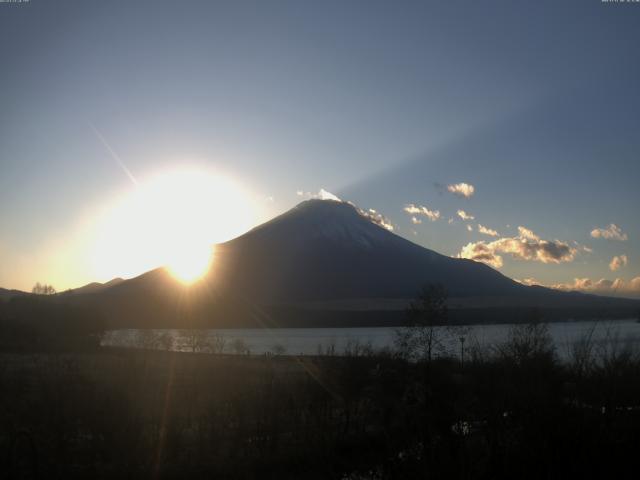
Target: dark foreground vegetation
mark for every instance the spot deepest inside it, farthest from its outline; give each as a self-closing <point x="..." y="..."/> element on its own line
<point x="511" y="412"/>
<point x="72" y="409"/>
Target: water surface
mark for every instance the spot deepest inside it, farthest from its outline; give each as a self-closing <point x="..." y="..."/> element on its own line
<point x="312" y="341"/>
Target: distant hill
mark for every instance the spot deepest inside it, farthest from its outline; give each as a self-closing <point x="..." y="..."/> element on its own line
<point x="325" y="262"/>
<point x="6" y="294"/>
<point x="93" y="287"/>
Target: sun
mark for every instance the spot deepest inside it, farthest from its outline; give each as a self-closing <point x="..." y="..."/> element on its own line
<point x="190" y="264"/>
<point x="172" y="219"/>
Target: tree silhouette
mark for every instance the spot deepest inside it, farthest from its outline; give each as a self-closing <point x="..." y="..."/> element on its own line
<point x="428" y="311"/>
<point x="43" y="289"/>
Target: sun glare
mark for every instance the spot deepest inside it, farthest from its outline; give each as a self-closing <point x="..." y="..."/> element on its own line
<point x="171" y="220"/>
<point x="190" y="264"/>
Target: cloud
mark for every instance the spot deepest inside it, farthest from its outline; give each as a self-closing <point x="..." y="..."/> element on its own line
<point x="376" y="217"/>
<point x="617" y="262"/>
<point x="528" y="281"/>
<point x="545" y="251"/>
<point x="524" y="232"/>
<point x="481" y="252"/>
<point x="299" y="193"/>
<point x="416" y="221"/>
<point x="526" y="246"/>
<point x="584" y="248"/>
<point x="462" y="189"/>
<point x="612" y="232"/>
<point x="487" y="231"/>
<point x="465" y="216"/>
<point x="412" y="209"/>
<point x="469" y="228"/>
<point x="619" y="286"/>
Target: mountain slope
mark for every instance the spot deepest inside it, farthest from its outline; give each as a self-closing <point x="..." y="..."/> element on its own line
<point x="94" y="287"/>
<point x="323" y="250"/>
<point x="7" y="295"/>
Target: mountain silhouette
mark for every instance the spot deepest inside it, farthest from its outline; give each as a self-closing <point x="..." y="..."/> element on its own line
<point x="325" y="250"/>
<point x="313" y="264"/>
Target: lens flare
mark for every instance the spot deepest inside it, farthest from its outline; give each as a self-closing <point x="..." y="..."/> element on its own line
<point x="173" y="220"/>
<point x="190" y="264"/>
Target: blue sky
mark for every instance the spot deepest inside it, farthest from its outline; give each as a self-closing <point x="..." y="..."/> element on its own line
<point x="382" y="103"/>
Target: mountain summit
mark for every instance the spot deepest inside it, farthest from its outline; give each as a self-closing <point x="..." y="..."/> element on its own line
<point x="324" y="220"/>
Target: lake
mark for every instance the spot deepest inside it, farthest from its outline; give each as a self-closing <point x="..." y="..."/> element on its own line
<point x="312" y="341"/>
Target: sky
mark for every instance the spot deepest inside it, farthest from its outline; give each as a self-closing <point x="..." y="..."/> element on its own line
<point x="113" y="113"/>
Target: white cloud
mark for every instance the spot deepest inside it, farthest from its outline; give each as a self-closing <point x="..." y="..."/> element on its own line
<point x="412" y="209"/>
<point x="469" y="228"/>
<point x="465" y="216"/>
<point x="619" y="286"/>
<point x="487" y="231"/>
<point x="617" y="262"/>
<point x="584" y="248"/>
<point x="524" y="232"/>
<point x="416" y="221"/>
<point x="526" y="246"/>
<point x="462" y="189"/>
<point x="481" y="252"/>
<point x="299" y="193"/>
<point x="612" y="232"/>
<point x="376" y="217"/>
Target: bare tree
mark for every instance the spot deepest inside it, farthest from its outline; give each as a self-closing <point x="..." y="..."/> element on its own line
<point x="218" y="342"/>
<point x="239" y="346"/>
<point x="421" y="338"/>
<point x="43" y="289"/>
<point x="581" y="352"/>
<point x="528" y="341"/>
<point x="165" y="341"/>
<point x="279" y="349"/>
<point x="356" y="348"/>
<point x="196" y="339"/>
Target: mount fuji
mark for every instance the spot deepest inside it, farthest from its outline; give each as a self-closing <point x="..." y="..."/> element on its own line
<point x="328" y="250"/>
<point x="326" y="262"/>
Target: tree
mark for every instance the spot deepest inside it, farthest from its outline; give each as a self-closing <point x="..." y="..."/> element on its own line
<point x="239" y="346"/>
<point x="166" y="341"/>
<point x="218" y="342"/>
<point x="528" y="341"/>
<point x="196" y="339"/>
<point x="421" y="338"/>
<point x="43" y="289"/>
